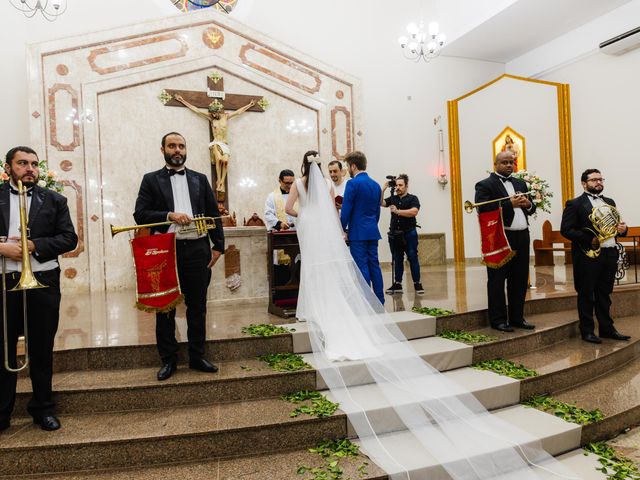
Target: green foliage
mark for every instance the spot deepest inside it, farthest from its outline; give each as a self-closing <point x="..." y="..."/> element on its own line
<point x="331" y="452"/>
<point x="285" y="362"/>
<point x="614" y="465"/>
<point x="320" y="406"/>
<point x="265" y="330"/>
<point x="566" y="411"/>
<point x="433" y="311"/>
<point x="466" y="337"/>
<point x="506" y="368"/>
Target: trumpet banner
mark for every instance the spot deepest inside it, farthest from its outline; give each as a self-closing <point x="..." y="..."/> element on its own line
<point x="157" y="283"/>
<point x="495" y="247"/>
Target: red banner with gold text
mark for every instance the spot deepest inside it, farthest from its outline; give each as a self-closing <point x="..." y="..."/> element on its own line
<point x="496" y="250"/>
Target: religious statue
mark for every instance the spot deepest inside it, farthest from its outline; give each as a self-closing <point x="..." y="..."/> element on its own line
<point x="509" y="144"/>
<point x="219" y="148"/>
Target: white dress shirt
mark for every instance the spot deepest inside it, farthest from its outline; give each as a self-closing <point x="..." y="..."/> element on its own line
<point x="181" y="204"/>
<point x="519" y="218"/>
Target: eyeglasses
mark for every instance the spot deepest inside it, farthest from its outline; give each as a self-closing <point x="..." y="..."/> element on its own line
<point x="288" y="183"/>
<point x="595" y="180"/>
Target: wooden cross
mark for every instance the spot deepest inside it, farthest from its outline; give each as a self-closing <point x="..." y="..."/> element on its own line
<point x="215" y="100"/>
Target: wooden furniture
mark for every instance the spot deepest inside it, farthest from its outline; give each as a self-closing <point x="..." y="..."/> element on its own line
<point x="552" y="241"/>
<point x="284" y="280"/>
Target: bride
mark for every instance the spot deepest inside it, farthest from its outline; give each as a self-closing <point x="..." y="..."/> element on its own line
<point x="347" y="322"/>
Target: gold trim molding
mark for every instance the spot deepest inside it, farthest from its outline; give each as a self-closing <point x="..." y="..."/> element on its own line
<point x="566" y="154"/>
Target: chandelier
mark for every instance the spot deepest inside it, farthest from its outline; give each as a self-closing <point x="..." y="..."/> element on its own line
<point x="420" y="44"/>
<point x="186" y="4"/>
<point x="50" y="9"/>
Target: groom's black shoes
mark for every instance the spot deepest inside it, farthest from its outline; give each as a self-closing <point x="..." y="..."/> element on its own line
<point x="167" y="370"/>
<point x="203" y="365"/>
<point x="395" y="288"/>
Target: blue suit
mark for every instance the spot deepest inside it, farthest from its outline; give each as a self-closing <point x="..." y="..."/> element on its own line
<point x="359" y="216"/>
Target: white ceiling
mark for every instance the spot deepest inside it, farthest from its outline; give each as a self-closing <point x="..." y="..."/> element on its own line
<point x="525" y="25"/>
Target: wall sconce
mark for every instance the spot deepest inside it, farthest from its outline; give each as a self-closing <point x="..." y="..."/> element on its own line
<point x="442" y="172"/>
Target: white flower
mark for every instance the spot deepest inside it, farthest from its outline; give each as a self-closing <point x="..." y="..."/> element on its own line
<point x="42" y="183"/>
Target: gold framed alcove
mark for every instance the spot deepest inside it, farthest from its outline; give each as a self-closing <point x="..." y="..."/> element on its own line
<point x="565" y="154"/>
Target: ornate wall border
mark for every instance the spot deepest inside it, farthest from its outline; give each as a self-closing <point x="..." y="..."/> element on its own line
<point x="566" y="154"/>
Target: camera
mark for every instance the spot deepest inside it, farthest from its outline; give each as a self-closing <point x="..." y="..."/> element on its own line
<point x="391" y="181"/>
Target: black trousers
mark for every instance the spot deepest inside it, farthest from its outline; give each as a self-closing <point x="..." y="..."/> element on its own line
<point x="516" y="275"/>
<point x="43" y="313"/>
<point x="593" y="279"/>
<point x="193" y="257"/>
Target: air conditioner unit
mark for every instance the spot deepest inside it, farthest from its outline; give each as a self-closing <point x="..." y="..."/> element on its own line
<point x="622" y="43"/>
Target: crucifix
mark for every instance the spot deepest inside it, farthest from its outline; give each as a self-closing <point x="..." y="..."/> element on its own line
<point x="216" y="101"/>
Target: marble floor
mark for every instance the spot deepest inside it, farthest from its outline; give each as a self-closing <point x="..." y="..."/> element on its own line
<point x="109" y="319"/>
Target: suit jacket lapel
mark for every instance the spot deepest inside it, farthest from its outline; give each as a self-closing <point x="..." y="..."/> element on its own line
<point x="194" y="191"/>
<point x="4" y="208"/>
<point x="499" y="184"/>
<point x="37" y="200"/>
<point x="165" y="187"/>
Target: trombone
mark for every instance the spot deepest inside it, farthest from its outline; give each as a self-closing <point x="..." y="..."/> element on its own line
<point x="468" y="206"/>
<point x="199" y="225"/>
<point x="27" y="281"/>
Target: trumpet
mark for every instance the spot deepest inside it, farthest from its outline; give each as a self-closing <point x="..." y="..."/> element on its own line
<point x="469" y="206"/>
<point x="198" y="225"/>
<point x="27" y="281"/>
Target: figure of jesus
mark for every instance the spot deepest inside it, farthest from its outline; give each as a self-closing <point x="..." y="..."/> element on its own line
<point x="219" y="148"/>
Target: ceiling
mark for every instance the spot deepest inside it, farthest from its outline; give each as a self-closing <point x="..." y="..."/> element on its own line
<point x="525" y="25"/>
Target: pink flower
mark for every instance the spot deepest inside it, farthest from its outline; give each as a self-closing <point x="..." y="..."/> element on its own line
<point x="4" y="177"/>
<point x="52" y="174"/>
<point x="538" y="196"/>
<point x="527" y="178"/>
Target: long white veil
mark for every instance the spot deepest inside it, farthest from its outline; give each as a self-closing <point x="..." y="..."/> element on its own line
<point x="347" y="322"/>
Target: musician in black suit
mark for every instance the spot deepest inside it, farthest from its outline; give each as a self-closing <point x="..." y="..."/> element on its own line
<point x="51" y="234"/>
<point x="175" y="193"/>
<point x="593" y="278"/>
<point x="515" y="213"/>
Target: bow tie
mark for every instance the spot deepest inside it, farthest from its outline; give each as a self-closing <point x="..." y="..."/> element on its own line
<point x="506" y="179"/>
<point x="176" y="172"/>
<point x="15" y="192"/>
<point x="594" y="196"/>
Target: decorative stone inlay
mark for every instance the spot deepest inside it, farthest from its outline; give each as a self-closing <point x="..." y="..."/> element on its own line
<point x="324" y="130"/>
<point x="339" y="94"/>
<point x="359" y="133"/>
<point x="137" y="44"/>
<point x="288" y="63"/>
<point x="334" y="138"/>
<point x="66" y="165"/>
<point x="79" y="219"/>
<point x="62" y="69"/>
<point x="213" y="38"/>
<point x="95" y="218"/>
<point x="60" y="89"/>
<point x="70" y="273"/>
<point x="35" y="114"/>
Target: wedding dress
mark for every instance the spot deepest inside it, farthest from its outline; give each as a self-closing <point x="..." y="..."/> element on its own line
<point x="347" y="322"/>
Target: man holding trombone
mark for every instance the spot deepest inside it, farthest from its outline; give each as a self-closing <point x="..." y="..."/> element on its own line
<point x="176" y="194"/>
<point x="501" y="190"/>
<point x="46" y="234"/>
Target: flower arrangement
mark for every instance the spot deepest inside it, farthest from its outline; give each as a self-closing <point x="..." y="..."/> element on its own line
<point x="539" y="188"/>
<point x="46" y="178"/>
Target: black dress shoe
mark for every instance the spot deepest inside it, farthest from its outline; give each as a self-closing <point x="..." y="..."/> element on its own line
<point x="524" y="324"/>
<point x="591" y="338"/>
<point x="503" y="327"/>
<point x="47" y="422"/>
<point x="203" y="365"/>
<point x="616" y="336"/>
<point x="167" y="370"/>
<point x="4" y="424"/>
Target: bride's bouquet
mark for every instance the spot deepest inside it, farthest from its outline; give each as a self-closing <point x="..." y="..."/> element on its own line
<point x="540" y="190"/>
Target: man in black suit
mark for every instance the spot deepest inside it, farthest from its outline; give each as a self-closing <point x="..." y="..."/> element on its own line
<point x="51" y="234"/>
<point x="515" y="213"/>
<point x="176" y="194"/>
<point x="592" y="277"/>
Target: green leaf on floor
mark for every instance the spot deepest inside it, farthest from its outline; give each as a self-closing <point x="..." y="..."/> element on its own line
<point x="506" y="368"/>
<point x="285" y="362"/>
<point x="332" y="451"/>
<point x="566" y="411"/>
<point x="319" y="405"/>
<point x="433" y="311"/>
<point x="265" y="330"/>
<point x="466" y="337"/>
<point x="614" y="465"/>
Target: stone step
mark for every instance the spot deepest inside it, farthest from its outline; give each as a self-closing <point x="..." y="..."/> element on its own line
<point x="412" y="325"/>
<point x="555" y="435"/>
<point x="87" y="391"/>
<point x="160" y="436"/>
<point x="279" y="466"/>
<point x="440" y="353"/>
<point x="584" y="465"/>
<point x="616" y="394"/>
<point x="492" y="390"/>
<point x="574" y="361"/>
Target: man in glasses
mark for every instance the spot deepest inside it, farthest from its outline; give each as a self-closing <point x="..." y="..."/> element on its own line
<point x="593" y="276"/>
<point x="274" y="214"/>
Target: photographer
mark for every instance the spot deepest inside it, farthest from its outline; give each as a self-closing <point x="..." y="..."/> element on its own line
<point x="403" y="237"/>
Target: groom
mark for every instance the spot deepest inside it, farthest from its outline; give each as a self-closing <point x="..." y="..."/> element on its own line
<point x="359" y="216"/>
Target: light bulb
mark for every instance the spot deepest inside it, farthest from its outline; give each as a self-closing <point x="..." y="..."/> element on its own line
<point x="412" y="28"/>
<point x="441" y="38"/>
<point x="434" y="29"/>
<point x="403" y="41"/>
<point x="413" y="46"/>
<point x="56" y="3"/>
<point x="431" y="46"/>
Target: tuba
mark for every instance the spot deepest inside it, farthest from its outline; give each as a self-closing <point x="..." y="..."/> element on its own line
<point x="604" y="220"/>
